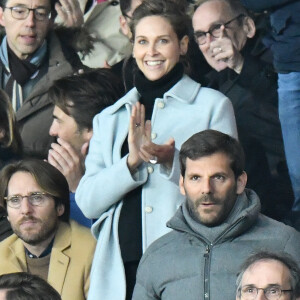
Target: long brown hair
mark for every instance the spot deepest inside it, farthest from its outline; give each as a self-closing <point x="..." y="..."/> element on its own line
<point x="8" y="124"/>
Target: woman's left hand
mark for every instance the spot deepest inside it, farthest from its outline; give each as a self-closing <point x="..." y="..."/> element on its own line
<point x="162" y="154"/>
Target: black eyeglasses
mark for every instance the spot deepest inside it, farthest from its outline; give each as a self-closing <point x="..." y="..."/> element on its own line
<point x="215" y="31"/>
<point x="271" y="293"/>
<point x="22" y="12"/>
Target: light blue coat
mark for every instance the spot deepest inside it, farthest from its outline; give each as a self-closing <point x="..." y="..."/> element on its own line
<point x="185" y="109"/>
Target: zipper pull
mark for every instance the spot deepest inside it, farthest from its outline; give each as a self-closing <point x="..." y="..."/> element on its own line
<point x="207" y="251"/>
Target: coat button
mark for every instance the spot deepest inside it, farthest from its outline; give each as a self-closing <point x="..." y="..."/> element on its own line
<point x="161" y="105"/>
<point x="153" y="135"/>
<point x="148" y="209"/>
<point x="150" y="169"/>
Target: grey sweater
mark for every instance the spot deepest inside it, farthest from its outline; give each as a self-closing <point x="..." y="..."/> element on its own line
<point x="195" y="262"/>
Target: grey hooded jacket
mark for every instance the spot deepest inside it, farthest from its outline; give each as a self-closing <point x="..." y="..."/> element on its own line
<point x="196" y="262"/>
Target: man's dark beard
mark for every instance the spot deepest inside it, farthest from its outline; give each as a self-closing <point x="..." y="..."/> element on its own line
<point x="209" y="198"/>
<point x="192" y="206"/>
<point x="38" y="238"/>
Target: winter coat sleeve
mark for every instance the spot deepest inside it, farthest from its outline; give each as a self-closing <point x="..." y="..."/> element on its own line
<point x="106" y="179"/>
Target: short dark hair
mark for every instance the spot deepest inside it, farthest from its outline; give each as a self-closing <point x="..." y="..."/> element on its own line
<point x="12" y="139"/>
<point x="282" y="257"/>
<point x="208" y="142"/>
<point x="85" y="95"/>
<point x="173" y="11"/>
<point x="125" y="6"/>
<point x="50" y="180"/>
<point x="25" y="286"/>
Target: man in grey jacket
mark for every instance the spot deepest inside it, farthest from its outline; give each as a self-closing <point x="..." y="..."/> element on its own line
<point x="214" y="230"/>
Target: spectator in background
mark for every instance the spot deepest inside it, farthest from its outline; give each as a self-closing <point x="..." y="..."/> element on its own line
<point x="131" y="181"/>
<point x="284" y="41"/>
<point x="77" y="100"/>
<point x="10" y="150"/>
<point x="268" y="275"/>
<point x="25" y="286"/>
<point x="33" y="56"/>
<point x="243" y="71"/>
<point x="45" y="242"/>
<point x="215" y="229"/>
<point x="101" y="20"/>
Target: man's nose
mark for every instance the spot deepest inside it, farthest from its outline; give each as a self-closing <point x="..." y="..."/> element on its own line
<point x="261" y="295"/>
<point x="30" y="20"/>
<point x="25" y="207"/>
<point x="53" y="129"/>
<point x="206" y="186"/>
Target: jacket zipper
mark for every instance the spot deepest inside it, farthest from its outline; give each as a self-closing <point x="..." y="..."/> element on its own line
<point x="207" y="258"/>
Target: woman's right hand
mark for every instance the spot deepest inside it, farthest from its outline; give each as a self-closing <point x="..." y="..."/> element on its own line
<point x="139" y="133"/>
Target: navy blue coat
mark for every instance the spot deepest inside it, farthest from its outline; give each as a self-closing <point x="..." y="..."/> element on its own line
<point x="284" y="38"/>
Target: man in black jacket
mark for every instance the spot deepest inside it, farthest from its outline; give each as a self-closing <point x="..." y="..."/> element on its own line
<point x="284" y="40"/>
<point x="242" y="70"/>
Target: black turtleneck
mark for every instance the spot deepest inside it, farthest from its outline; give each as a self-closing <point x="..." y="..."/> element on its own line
<point x="151" y="90"/>
<point x="130" y="223"/>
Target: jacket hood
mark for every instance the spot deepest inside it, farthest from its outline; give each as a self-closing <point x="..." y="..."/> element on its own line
<point x="242" y="216"/>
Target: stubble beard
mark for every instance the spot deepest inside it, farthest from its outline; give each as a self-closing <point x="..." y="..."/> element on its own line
<point x="224" y="205"/>
<point x="35" y="238"/>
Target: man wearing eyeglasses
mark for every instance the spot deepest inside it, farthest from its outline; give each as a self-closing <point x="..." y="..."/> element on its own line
<point x="45" y="243"/>
<point x="32" y="56"/>
<point x="242" y="70"/>
<point x="268" y="275"/>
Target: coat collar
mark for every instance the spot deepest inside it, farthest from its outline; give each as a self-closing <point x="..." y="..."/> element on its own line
<point x="243" y="215"/>
<point x="185" y="90"/>
<point x="59" y="260"/>
<point x="18" y="258"/>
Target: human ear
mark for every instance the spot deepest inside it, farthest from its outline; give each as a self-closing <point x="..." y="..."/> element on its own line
<point x="124" y="25"/>
<point x="2" y="133"/>
<point x="183" y="44"/>
<point x="181" y="185"/>
<point x="241" y="183"/>
<point x="60" y="210"/>
<point x="2" y="22"/>
<point x="249" y="27"/>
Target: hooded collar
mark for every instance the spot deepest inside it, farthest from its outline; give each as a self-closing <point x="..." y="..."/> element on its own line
<point x="242" y="216"/>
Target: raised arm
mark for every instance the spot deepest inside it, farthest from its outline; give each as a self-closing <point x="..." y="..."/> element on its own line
<point x="107" y="178"/>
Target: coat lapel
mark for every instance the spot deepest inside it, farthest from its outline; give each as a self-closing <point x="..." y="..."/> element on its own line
<point x="60" y="260"/>
<point x="18" y="259"/>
